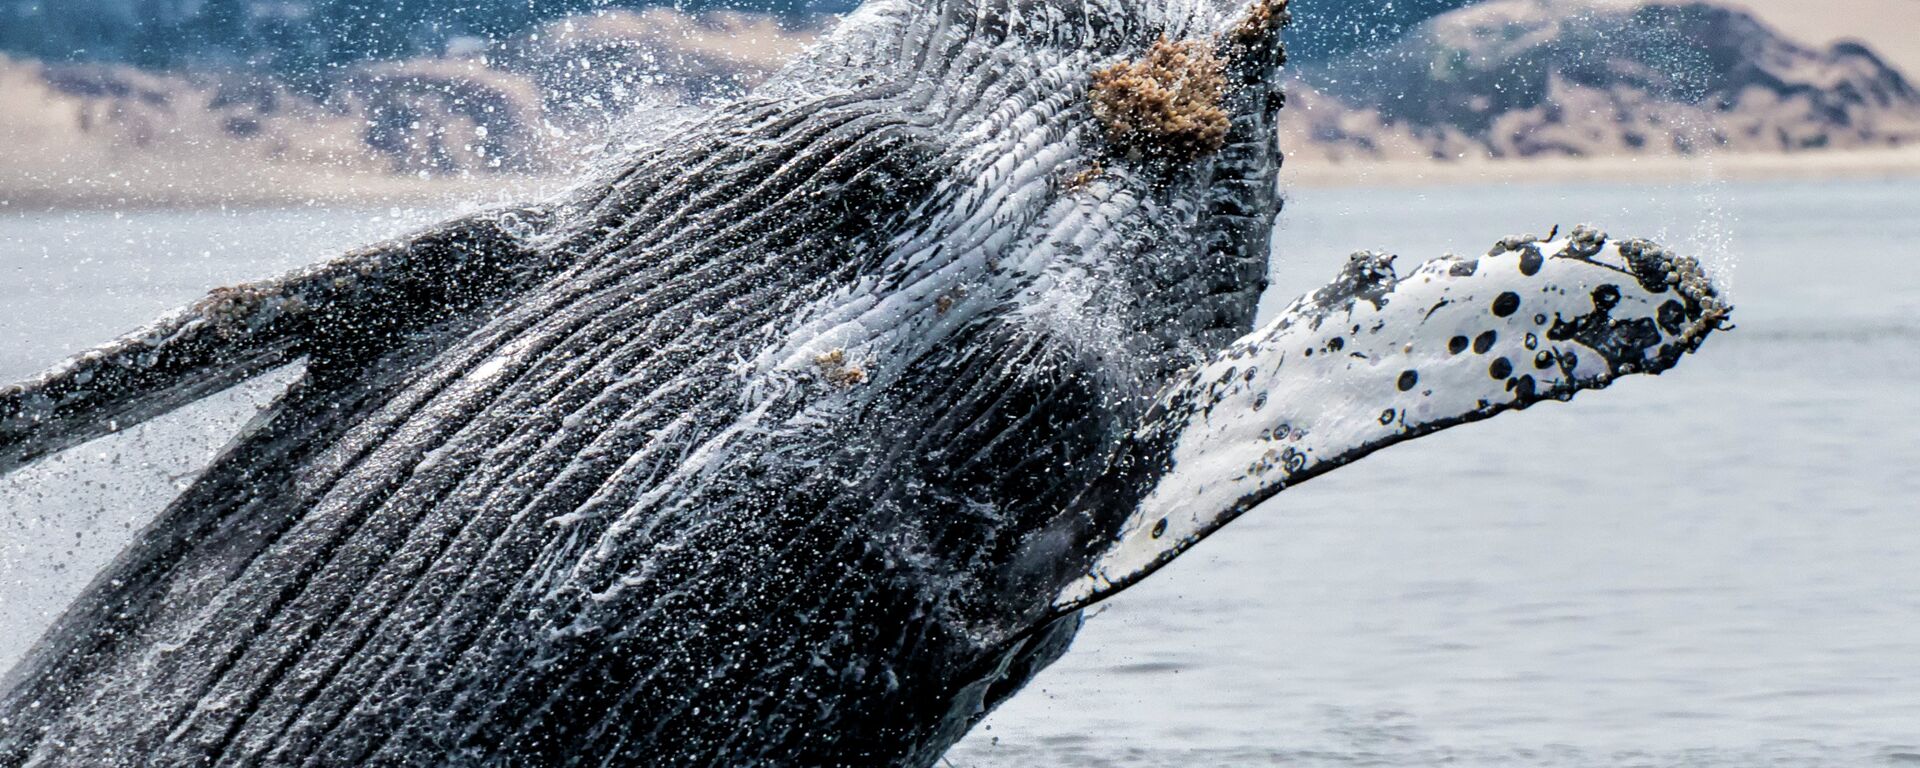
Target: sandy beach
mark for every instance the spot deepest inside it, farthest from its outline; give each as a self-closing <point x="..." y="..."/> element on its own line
<point x="157" y="186"/>
<point x="1860" y="164"/>
<point x="129" y="155"/>
<point x="165" y="188"/>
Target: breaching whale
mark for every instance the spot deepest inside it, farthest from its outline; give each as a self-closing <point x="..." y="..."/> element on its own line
<point x="802" y="437"/>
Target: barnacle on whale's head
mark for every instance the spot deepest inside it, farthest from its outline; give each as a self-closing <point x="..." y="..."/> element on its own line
<point x="1166" y="105"/>
<point x="1171" y="102"/>
<point x="1260" y="29"/>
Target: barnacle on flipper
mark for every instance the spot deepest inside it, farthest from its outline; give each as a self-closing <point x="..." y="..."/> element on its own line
<point x="1652" y="262"/>
<point x="234" y="309"/>
<point x="1657" y="268"/>
<point x="1167" y="105"/>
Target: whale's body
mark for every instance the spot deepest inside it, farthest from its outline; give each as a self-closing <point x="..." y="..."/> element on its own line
<point x="802" y="440"/>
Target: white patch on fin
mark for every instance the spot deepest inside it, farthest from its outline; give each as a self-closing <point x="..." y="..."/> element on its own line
<point x="1371" y="361"/>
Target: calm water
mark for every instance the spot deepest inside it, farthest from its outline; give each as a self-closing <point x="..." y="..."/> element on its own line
<point x="1720" y="567"/>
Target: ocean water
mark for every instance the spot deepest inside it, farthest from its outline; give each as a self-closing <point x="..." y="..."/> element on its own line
<point x="1718" y="567"/>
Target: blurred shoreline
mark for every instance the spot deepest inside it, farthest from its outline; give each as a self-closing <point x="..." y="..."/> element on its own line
<point x="1499" y="92"/>
<point x="170" y="187"/>
<point x="160" y="187"/>
<point x="1902" y="162"/>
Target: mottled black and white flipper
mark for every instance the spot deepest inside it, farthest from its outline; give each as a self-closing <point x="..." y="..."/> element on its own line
<point x="1373" y="360"/>
<point x="340" y="309"/>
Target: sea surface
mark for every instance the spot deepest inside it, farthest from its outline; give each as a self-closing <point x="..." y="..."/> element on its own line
<point x="1718" y="567"/>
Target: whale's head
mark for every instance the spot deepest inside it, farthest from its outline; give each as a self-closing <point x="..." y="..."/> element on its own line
<point x="1099" y="173"/>
<point x="973" y="239"/>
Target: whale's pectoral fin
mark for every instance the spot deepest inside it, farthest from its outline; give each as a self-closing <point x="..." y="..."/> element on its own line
<point x="343" y="310"/>
<point x="1372" y="360"/>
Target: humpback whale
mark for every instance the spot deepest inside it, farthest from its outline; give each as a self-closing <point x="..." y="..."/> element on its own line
<point x="801" y="436"/>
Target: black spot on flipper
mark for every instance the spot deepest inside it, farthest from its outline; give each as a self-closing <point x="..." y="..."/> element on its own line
<point x="1295" y="460"/>
<point x="1508" y="303"/>
<point x="1525" y="388"/>
<point x="1260" y="401"/>
<point x="1606" y="297"/>
<point x="1409" y="380"/>
<point x="1484" y="343"/>
<point x="1458" y="345"/>
<point x="1464" y="268"/>
<point x="1160" y="528"/>
<point x="1336" y="344"/>
<point x="1500" y="369"/>
<point x="1543" y="361"/>
<point x="1673" y="317"/>
<point x="1539" y="319"/>
<point x="1533" y="342"/>
<point x="1531" y="260"/>
<point x="1628" y="341"/>
<point x="1386" y="417"/>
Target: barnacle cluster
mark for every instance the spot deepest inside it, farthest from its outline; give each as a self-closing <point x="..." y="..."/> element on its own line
<point x="1683" y="274"/>
<point x="1166" y="105"/>
<point x="1512" y="243"/>
<point x="1586" y="241"/>
<point x="1261" y="27"/>
<point x="1657" y="268"/>
<point x="1085" y="177"/>
<point x="234" y="310"/>
<point x="839" y="369"/>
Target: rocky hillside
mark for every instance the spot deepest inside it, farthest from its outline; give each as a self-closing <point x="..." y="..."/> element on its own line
<point x="530" y="104"/>
<point x="1526" y="78"/>
<point x="1502" y="79"/>
<point x="296" y="36"/>
<point x="292" y="35"/>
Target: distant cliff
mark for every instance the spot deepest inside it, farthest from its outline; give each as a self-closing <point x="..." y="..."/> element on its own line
<point x="300" y="38"/>
<point x="531" y="104"/>
<point x="1509" y="79"/>
<point x="1530" y="78"/>
<point x="292" y="36"/>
